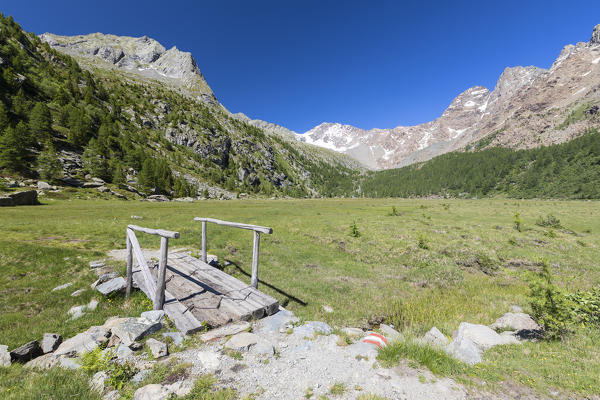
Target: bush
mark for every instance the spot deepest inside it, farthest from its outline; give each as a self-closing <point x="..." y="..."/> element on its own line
<point x="422" y="242"/>
<point x="99" y="360"/>
<point x="354" y="232"/>
<point x="550" y="221"/>
<point x="518" y="222"/>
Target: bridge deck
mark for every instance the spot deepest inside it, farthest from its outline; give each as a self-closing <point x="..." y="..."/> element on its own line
<point x="198" y="294"/>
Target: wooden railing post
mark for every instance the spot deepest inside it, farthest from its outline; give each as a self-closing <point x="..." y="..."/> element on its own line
<point x="129" y="266"/>
<point x="254" y="279"/>
<point x="159" y="296"/>
<point x="204" y="241"/>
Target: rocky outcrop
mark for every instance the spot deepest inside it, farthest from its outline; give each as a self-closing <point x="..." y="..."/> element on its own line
<point x="24" y="198"/>
<point x="595" y="35"/>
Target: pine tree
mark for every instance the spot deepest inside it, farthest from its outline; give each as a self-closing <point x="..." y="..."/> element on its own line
<point x="40" y="122"/>
<point x="49" y="166"/>
<point x="13" y="152"/>
<point x="20" y="104"/>
<point x="4" y="121"/>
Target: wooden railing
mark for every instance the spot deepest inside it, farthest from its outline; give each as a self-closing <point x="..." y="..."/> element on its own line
<point x="133" y="248"/>
<point x="257" y="231"/>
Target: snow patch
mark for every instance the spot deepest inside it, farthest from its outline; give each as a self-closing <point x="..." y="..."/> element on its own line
<point x="586" y="74"/>
<point x="579" y="91"/>
<point x="470" y="103"/>
<point x="596" y="61"/>
<point x="456" y="132"/>
<point x="424" y="140"/>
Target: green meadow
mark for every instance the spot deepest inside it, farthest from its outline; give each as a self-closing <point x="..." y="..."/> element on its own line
<point x="411" y="263"/>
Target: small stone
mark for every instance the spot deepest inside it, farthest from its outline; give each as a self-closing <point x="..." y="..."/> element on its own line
<point x="83" y="342"/>
<point x="435" y="338"/>
<point x="242" y="341"/>
<point x="77" y="292"/>
<point x="212" y="260"/>
<point x="4" y="356"/>
<point x="226" y="330"/>
<point x="104" y="278"/>
<point x="63" y="286"/>
<point x="210" y="360"/>
<point x="97" y="264"/>
<point x="136" y="217"/>
<point x="98" y="381"/>
<point x="328" y="309"/>
<point x="140" y="376"/>
<point x="515" y="322"/>
<point x="275" y="323"/>
<point x="112" y="286"/>
<point x="135" y="346"/>
<point x="112" y="395"/>
<point x="515" y="309"/>
<point x="154" y="315"/>
<point x="158" y="349"/>
<point x="76" y="311"/>
<point x="123" y="352"/>
<point x="180" y="388"/>
<point x="264" y="348"/>
<point x="390" y="333"/>
<point x="152" y="392"/>
<point x="353" y="333"/>
<point x="103" y="189"/>
<point x="310" y="328"/>
<point x="44" y="186"/>
<point x="27" y="352"/>
<point x="92" y="305"/>
<point x="50" y="342"/>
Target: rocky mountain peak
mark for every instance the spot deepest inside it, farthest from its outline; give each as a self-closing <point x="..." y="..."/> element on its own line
<point x="596" y="35"/>
<point x="142" y="55"/>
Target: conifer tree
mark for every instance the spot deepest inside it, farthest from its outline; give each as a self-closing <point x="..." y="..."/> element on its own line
<point x="4" y="121"/>
<point x="49" y="166"/>
<point x="40" y="122"/>
<point x="13" y="152"/>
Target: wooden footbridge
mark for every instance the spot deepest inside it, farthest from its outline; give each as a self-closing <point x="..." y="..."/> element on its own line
<point x="191" y="292"/>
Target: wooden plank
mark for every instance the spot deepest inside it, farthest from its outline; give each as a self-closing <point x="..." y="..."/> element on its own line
<point x="159" y="232"/>
<point x="204" y="241"/>
<point x="129" y="265"/>
<point x="141" y="262"/>
<point x="258" y="228"/>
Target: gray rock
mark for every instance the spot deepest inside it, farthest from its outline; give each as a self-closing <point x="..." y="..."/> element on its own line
<point x="435" y="338"/>
<point x="140" y="376"/>
<point x="69" y="363"/>
<point x="275" y="323"/>
<point x="175" y="336"/>
<point x="595" y="35"/>
<point x="482" y="336"/>
<point x="158" y="198"/>
<point x="152" y="392"/>
<point x="123" y="352"/>
<point x="226" y="330"/>
<point x="63" y="286"/>
<point x="212" y="260"/>
<point x="263" y="348"/>
<point x="103" y="189"/>
<point x="82" y="342"/>
<point x="43" y="362"/>
<point x="133" y="329"/>
<point x="242" y="341"/>
<point x="311" y="328"/>
<point x="76" y="311"/>
<point x="92" y="185"/>
<point x="363" y="350"/>
<point x="45" y="186"/>
<point x="98" y="381"/>
<point x="50" y="342"/>
<point x="104" y="278"/>
<point x="465" y="350"/>
<point x="77" y="292"/>
<point x="515" y="322"/>
<point x="158" y="349"/>
<point x="4" y="356"/>
<point x="180" y="388"/>
<point x="27" y="352"/>
<point x="328" y="309"/>
<point x="97" y="264"/>
<point x="390" y="333"/>
<point x="210" y="360"/>
<point x="112" y="286"/>
<point x="112" y="395"/>
<point x="154" y="315"/>
<point x="515" y="309"/>
<point x="92" y="305"/>
<point x="23" y="198"/>
<point x="353" y="333"/>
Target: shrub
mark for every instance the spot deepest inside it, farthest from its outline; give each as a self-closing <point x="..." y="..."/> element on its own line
<point x="422" y="242"/>
<point x="518" y="222"/>
<point x="99" y="360"/>
<point x="394" y="212"/>
<point x="550" y="221"/>
<point x="354" y="232"/>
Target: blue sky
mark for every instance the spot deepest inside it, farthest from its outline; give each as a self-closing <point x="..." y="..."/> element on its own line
<point x="366" y="63"/>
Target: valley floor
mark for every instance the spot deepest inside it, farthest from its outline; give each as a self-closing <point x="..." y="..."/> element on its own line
<point x="411" y="263"/>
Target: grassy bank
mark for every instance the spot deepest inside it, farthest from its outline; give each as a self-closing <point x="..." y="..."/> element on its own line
<point x="416" y="263"/>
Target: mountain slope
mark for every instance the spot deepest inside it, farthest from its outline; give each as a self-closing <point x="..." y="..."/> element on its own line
<point x="528" y="107"/>
<point x="139" y="116"/>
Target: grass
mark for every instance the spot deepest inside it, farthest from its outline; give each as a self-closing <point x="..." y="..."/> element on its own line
<point x="474" y="267"/>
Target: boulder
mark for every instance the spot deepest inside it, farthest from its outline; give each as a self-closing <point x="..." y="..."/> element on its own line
<point x="45" y="186"/>
<point x="175" y="336"/>
<point x="515" y="322"/>
<point x="92" y="185"/>
<point x="465" y="350"/>
<point x="123" y="352"/>
<point x="69" y="181"/>
<point x="311" y="328"/>
<point x="226" y="330"/>
<point x="242" y="341"/>
<point x="103" y="189"/>
<point x="263" y="348"/>
<point x="50" y="342"/>
<point x="276" y="323"/>
<point x="482" y="336"/>
<point x="112" y="286"/>
<point x="180" y="388"/>
<point x="83" y="342"/>
<point x="23" y="198"/>
<point x="43" y="362"/>
<point x="132" y="329"/>
<point x="515" y="309"/>
<point x="158" y="198"/>
<point x="158" y="349"/>
<point x="4" y="356"/>
<point x="69" y="363"/>
<point x="367" y="351"/>
<point x="27" y="352"/>
<point x="112" y="395"/>
<point x="435" y="338"/>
